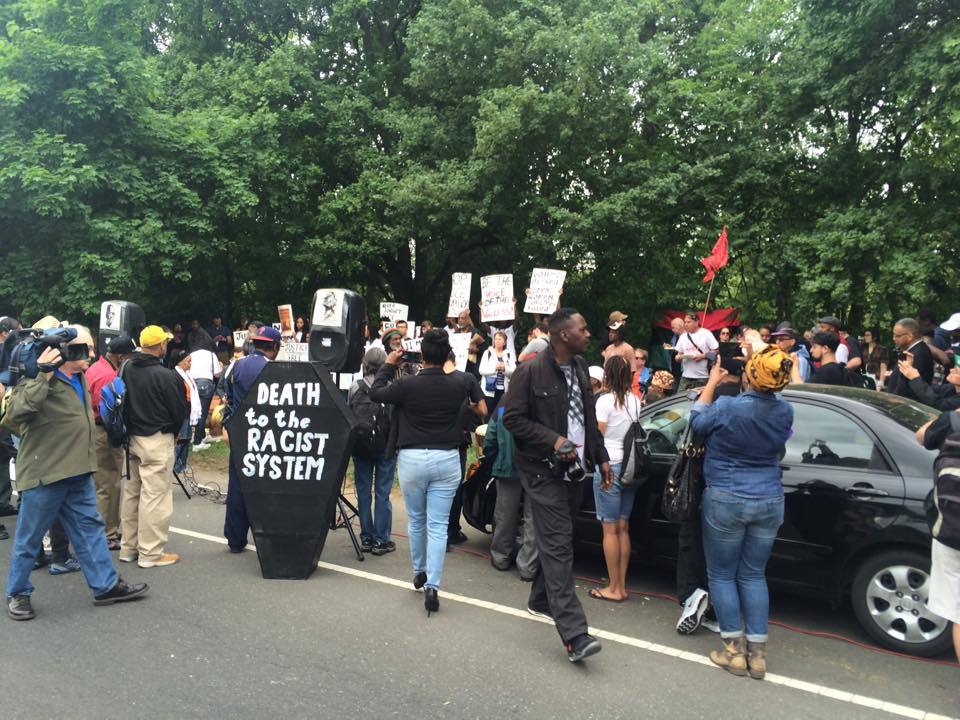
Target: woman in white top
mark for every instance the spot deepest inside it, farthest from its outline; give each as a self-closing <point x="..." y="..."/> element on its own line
<point x="181" y="451"/>
<point x="496" y="367"/>
<point x="616" y="410"/>
<point x="205" y="369"/>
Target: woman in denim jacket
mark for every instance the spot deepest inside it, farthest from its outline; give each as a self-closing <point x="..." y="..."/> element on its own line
<point x="742" y="505"/>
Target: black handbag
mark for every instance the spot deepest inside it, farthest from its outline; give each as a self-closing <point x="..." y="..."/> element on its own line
<point x="681" y="492"/>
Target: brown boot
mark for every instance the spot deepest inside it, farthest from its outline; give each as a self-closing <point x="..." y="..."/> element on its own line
<point x="757" y="660"/>
<point x="731" y="658"/>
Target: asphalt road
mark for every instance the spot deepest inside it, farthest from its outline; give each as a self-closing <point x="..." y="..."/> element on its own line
<point x="214" y="639"/>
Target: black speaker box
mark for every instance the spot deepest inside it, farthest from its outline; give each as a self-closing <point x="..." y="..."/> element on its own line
<point x="336" y="330"/>
<point x="119" y="317"/>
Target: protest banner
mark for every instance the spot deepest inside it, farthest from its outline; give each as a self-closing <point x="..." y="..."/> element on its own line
<point x="294" y="352"/>
<point x="393" y="311"/>
<point x="286" y="319"/>
<point x="544" y="292"/>
<point x="460" y="344"/>
<point x="496" y="298"/>
<point x="459" y="294"/>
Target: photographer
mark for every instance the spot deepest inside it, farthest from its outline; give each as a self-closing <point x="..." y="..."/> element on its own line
<point x="428" y="436"/>
<point x="51" y="413"/>
<point x="550" y="411"/>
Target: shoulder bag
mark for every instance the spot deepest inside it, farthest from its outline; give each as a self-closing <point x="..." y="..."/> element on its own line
<point x="681" y="492"/>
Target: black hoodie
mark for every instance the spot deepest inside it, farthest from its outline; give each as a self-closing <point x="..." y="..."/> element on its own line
<point x="156" y="397"/>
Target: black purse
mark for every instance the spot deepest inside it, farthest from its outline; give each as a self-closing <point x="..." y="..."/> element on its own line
<point x="681" y="492"/>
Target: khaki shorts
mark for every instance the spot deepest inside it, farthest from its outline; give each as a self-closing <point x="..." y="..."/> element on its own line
<point x="944" y="582"/>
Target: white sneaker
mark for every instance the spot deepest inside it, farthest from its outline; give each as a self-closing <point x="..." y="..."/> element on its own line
<point x="201" y="446"/>
<point x="711" y="625"/>
<point x="693" y="610"/>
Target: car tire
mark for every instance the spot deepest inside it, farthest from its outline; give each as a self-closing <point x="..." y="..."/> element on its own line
<point x="901" y="621"/>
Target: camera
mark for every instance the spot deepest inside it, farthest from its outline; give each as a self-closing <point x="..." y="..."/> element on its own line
<point x="60" y="338"/>
<point x="572" y="469"/>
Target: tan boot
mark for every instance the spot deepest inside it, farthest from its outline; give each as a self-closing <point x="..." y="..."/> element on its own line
<point x="731" y="658"/>
<point x="757" y="660"/>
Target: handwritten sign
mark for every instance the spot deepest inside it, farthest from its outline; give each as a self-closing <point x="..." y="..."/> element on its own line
<point x="294" y="352"/>
<point x="459" y="294"/>
<point x="393" y="311"/>
<point x="496" y="298"/>
<point x="240" y="338"/>
<point x="286" y="319"/>
<point x="460" y="344"/>
<point x="412" y="345"/>
<point x="545" y="288"/>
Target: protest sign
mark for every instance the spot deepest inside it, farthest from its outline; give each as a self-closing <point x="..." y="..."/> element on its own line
<point x="239" y="338"/>
<point x="459" y="294"/>
<point x="544" y="293"/>
<point x="286" y="319"/>
<point x="496" y="298"/>
<point x="294" y="352"/>
<point x="393" y="311"/>
<point x="460" y="344"/>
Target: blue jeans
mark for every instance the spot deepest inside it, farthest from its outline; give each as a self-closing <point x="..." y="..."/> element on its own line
<point x="75" y="503"/>
<point x="429" y="479"/>
<point x="181" y="449"/>
<point x="738" y="535"/>
<point x="206" y="389"/>
<point x="616" y="502"/>
<point x="374" y="526"/>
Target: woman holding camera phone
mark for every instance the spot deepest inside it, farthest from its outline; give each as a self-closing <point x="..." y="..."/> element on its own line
<point x="428" y="437"/>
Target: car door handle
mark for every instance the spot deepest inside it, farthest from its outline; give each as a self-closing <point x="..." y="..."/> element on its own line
<point x="866" y="490"/>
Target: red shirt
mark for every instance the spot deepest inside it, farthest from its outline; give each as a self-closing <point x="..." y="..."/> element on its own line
<point x="99" y="375"/>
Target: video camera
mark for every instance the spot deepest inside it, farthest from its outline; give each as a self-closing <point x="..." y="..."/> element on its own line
<point x="24" y="361"/>
<point x="572" y="469"/>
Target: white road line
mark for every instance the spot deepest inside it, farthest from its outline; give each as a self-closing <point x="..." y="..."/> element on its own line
<point x="807" y="687"/>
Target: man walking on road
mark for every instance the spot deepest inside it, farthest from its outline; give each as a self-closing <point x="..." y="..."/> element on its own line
<point x="156" y="403"/>
<point x="550" y="411"/>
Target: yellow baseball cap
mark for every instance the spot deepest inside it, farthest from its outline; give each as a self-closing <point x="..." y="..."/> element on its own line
<point x="153" y="335"/>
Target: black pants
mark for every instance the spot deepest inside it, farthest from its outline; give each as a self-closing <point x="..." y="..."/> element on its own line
<point x="235" y="524"/>
<point x="59" y="543"/>
<point x="7" y="453"/>
<point x="456" y="508"/>
<point x="554" y="503"/>
<point x="691" y="564"/>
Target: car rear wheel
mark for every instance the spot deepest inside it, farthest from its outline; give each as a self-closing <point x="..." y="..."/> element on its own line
<point x="889" y="594"/>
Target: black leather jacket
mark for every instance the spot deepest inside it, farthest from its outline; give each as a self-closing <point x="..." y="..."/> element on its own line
<point x="536" y="413"/>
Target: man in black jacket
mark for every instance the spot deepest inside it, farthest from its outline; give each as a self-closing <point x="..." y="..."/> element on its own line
<point x="943" y="397"/>
<point x="550" y="411"/>
<point x="909" y="344"/>
<point x="156" y="406"/>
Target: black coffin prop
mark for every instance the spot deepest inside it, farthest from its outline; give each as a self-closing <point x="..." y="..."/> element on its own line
<point x="290" y="442"/>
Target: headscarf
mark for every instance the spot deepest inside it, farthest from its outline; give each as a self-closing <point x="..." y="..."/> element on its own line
<point x="768" y="369"/>
<point x="662" y="379"/>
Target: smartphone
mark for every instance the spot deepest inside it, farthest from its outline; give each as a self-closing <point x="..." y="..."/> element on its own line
<point x="411" y="357"/>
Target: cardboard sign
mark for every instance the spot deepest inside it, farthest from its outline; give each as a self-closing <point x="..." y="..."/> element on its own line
<point x="393" y="311"/>
<point x="460" y="344"/>
<point x="545" y="288"/>
<point x="412" y="345"/>
<point x="286" y="319"/>
<point x="240" y="338"/>
<point x="459" y="294"/>
<point x="294" y="352"/>
<point x="496" y="298"/>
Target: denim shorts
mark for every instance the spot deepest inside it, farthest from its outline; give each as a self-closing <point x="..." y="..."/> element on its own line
<point x="616" y="502"/>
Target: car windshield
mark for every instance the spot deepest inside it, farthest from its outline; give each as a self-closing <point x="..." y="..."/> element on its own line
<point x="908" y="413"/>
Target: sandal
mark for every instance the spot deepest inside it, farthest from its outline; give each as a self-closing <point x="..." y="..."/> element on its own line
<point x="597" y="595"/>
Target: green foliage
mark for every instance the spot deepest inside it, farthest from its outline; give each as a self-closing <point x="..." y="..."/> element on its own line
<point x="230" y="155"/>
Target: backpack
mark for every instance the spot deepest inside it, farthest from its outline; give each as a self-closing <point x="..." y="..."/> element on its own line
<point x="373" y="423"/>
<point x="480" y="495"/>
<point x="113" y="411"/>
<point x="636" y="453"/>
<point x="944" y="502"/>
<point x="852" y="378"/>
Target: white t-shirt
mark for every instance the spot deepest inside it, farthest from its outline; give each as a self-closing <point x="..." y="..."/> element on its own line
<point x="703" y="339"/>
<point x="843" y="354"/>
<point x="618" y="422"/>
<point x="204" y="365"/>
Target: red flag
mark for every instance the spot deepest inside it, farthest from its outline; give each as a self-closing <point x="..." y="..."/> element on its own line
<point x="718" y="258"/>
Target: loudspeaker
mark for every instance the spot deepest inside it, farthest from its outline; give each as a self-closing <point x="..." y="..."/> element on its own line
<point x="336" y="330"/>
<point x="119" y="317"/>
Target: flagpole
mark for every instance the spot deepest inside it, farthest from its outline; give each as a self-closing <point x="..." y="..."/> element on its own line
<point x="709" y="291"/>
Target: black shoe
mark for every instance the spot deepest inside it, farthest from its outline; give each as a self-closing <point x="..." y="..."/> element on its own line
<point x="431" y="602"/>
<point x="237" y="550"/>
<point x="121" y="592"/>
<point x="42" y="561"/>
<point x="366" y="544"/>
<point x="419" y="580"/>
<point x="7" y="510"/>
<point x="456" y="538"/>
<point x="527" y="578"/>
<point x="582" y="646"/>
<point x="4" y="535"/>
<point x="382" y="548"/>
<point x="540" y="612"/>
<point x="19" y="608"/>
<point x="502" y="567"/>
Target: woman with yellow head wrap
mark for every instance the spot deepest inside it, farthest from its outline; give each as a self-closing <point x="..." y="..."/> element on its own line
<point x="742" y="503"/>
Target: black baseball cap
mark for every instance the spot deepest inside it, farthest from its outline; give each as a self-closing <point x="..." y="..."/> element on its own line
<point x="121" y="345"/>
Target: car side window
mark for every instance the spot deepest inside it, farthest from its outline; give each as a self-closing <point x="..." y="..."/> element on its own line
<point x="666" y="426"/>
<point x="822" y="436"/>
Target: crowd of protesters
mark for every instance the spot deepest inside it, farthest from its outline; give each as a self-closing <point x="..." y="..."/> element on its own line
<point x="547" y="421"/>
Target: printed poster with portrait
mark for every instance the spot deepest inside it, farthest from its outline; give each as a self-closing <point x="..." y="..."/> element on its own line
<point x="110" y="316"/>
<point x="328" y="310"/>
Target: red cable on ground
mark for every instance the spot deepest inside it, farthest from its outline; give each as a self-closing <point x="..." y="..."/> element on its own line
<point x="777" y="623"/>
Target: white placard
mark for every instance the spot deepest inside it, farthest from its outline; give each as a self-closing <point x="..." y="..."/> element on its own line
<point x="110" y="316"/>
<point x="285" y="312"/>
<point x="545" y="288"/>
<point x="412" y="345"/>
<point x="393" y="311"/>
<point x="329" y="310"/>
<point x="460" y="344"/>
<point x="496" y="298"/>
<point x="240" y="338"/>
<point x="294" y="352"/>
<point x="459" y="294"/>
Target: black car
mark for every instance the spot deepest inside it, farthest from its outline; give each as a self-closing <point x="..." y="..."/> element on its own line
<point x="854" y="481"/>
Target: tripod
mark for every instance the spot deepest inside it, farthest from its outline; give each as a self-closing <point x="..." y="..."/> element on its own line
<point x="342" y="519"/>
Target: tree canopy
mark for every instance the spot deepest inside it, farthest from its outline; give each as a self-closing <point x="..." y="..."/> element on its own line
<point x="200" y="156"/>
